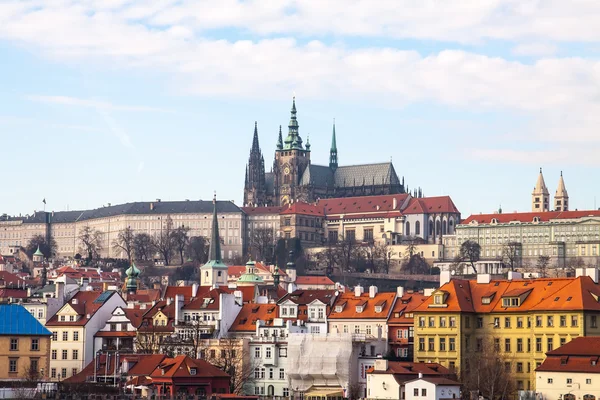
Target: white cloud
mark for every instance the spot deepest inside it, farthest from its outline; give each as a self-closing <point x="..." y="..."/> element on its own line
<point x="535" y="49"/>
<point x="101" y="105"/>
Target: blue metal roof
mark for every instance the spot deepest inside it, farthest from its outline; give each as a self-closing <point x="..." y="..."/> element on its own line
<point x="16" y="320"/>
<point x="104" y="296"/>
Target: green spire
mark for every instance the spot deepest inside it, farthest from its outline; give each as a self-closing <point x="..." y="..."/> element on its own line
<point x="132" y="276"/>
<point x="280" y="140"/>
<point x="293" y="141"/>
<point x="215" y="243"/>
<point x="38" y="252"/>
<point x="333" y="159"/>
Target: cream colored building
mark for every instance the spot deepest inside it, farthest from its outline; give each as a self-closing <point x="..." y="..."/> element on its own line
<point x="149" y="217"/>
<point x="73" y="329"/>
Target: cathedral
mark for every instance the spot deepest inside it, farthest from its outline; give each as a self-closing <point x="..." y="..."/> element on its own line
<point x="294" y="178"/>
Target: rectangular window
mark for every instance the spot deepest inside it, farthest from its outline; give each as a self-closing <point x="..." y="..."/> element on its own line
<point x="423" y="392"/>
<point x="563" y="320"/>
<point x="421" y="322"/>
<point x="507" y="345"/>
<point x="75" y="354"/>
<point x="452" y="322"/>
<point x="271" y="373"/>
<point x="519" y="367"/>
<point x="431" y="344"/>
<point x="54" y="336"/>
<point x="519" y="345"/>
<point x="496" y="344"/>
<point x="452" y="344"/>
<point x="519" y="322"/>
<point x="529" y="345"/>
<point x="63" y="372"/>
<point x="442" y="344"/>
<point x="14" y="344"/>
<point x="35" y="344"/>
<point x="416" y="392"/>
<point x="268" y="352"/>
<point x="442" y="322"/>
<point x="421" y="344"/>
<point x="12" y="365"/>
<point x="593" y="321"/>
<point x="65" y="354"/>
<point x="507" y="366"/>
<point x="479" y="322"/>
<point x="75" y="336"/>
<point x="507" y="322"/>
<point x="257" y="352"/>
<point x="281" y="373"/>
<point x="53" y="373"/>
<point x="550" y="345"/>
<point x="550" y="321"/>
<point x="432" y="322"/>
<point x="573" y="320"/>
<point x="479" y="344"/>
<point x="65" y="336"/>
<point x="368" y="235"/>
<point x="54" y="354"/>
<point x="538" y="344"/>
<point x="538" y="321"/>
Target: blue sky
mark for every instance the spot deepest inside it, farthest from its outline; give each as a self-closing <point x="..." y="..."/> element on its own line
<point x="109" y="101"/>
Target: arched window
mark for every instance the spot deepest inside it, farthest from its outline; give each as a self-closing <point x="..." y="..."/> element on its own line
<point x="271" y="390"/>
<point x="407" y="233"/>
<point x="437" y="227"/>
<point x="418" y="228"/>
<point x="451" y="226"/>
<point x="589" y="397"/>
<point x="444" y="228"/>
<point x="430" y="228"/>
<point x="568" y="396"/>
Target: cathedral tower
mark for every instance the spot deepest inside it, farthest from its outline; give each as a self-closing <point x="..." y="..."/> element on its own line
<point x="540" y="198"/>
<point x="255" y="192"/>
<point x="291" y="159"/>
<point x="333" y="160"/>
<point x="561" y="197"/>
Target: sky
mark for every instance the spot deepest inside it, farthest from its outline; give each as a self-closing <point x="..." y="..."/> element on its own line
<point x="112" y="101"/>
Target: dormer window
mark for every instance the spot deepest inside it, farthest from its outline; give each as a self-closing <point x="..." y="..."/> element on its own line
<point x="494" y="221"/>
<point x="378" y="309"/>
<point x="511" y="302"/>
<point x="62" y="318"/>
<point x="359" y="309"/>
<point x="193" y="371"/>
<point x="438" y="299"/>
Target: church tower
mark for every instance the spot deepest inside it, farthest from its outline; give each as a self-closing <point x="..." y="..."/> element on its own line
<point x="333" y="160"/>
<point x="561" y="197"/>
<point x="214" y="272"/>
<point x="255" y="192"/>
<point x="291" y="159"/>
<point x="540" y="198"/>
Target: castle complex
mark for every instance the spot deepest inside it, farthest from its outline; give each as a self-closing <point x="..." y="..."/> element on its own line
<point x="294" y="178"/>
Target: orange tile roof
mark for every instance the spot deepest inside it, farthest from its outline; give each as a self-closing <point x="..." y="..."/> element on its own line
<point x="581" y="354"/>
<point x="314" y="280"/>
<point x="528" y="216"/>
<point x="350" y="302"/>
<point x="305" y="297"/>
<point x="580" y="346"/>
<point x="250" y="314"/>
<point x="302" y="208"/>
<point x="406" y="304"/>
<point x="545" y="294"/>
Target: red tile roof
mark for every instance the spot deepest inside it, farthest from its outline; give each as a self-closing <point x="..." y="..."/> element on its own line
<point x="428" y="205"/>
<point x="581" y="354"/>
<point x="85" y="304"/>
<point x="9" y="279"/>
<point x="186" y="291"/>
<point x="144" y="363"/>
<point x="303" y="209"/>
<point x="529" y="216"/>
<point x="350" y="302"/>
<point x="413" y="369"/>
<point x="405" y="304"/>
<point x="314" y="280"/>
<point x="180" y="367"/>
<point x="580" y="346"/>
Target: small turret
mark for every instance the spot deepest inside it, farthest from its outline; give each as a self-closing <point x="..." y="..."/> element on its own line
<point x="131" y="282"/>
<point x="540" y="198"/>
<point x="290" y="267"/>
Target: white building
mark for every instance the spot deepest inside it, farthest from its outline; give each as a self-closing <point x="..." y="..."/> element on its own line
<point x="73" y="329"/>
<point x="431" y="388"/>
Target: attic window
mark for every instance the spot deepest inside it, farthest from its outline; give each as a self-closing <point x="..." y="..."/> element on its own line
<point x="569" y="298"/>
<point x="378" y="309"/>
<point x="339" y="308"/>
<point x="438" y="299"/>
<point x="549" y="283"/>
<point x="270" y="310"/>
<point x="193" y="371"/>
<point x="556" y="298"/>
<point x="526" y="283"/>
<point x="486" y="300"/>
<point x="511" y="302"/>
<point x="496" y="283"/>
<point x="255" y="310"/>
<point x="397" y="315"/>
<point x="494" y="221"/>
<point x="359" y="309"/>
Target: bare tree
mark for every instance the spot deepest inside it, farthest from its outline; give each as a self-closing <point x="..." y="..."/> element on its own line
<point x="384" y="254"/>
<point x="164" y="243"/>
<point x="329" y="257"/>
<point x="470" y="251"/>
<point x="91" y="241"/>
<point x="142" y="246"/>
<point x="542" y="265"/>
<point x="347" y="252"/>
<point x="148" y="338"/>
<point x="47" y="246"/>
<point x="125" y="242"/>
<point x="231" y="356"/>
<point x="198" y="248"/>
<point x="181" y="239"/>
<point x="511" y="254"/>
<point x="415" y="264"/>
<point x="262" y="243"/>
<point x="488" y="372"/>
<point x="369" y="250"/>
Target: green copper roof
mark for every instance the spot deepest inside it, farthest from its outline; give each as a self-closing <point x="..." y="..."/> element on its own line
<point x="250" y="278"/>
<point x="333" y="142"/>
<point x="293" y="141"/>
<point x="214" y="254"/>
<point x="132" y="271"/>
<point x="280" y="140"/>
<point x="38" y="252"/>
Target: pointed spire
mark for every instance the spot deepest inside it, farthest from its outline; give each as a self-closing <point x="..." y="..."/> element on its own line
<point x="540" y="186"/>
<point x="307" y="145"/>
<point x="561" y="197"/>
<point x="255" y="146"/>
<point x="215" y="243"/>
<point x="333" y="159"/>
<point x="280" y="140"/>
<point x="540" y="198"/>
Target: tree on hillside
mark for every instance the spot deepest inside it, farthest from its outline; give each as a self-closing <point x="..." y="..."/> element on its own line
<point x="198" y="248"/>
<point x="231" y="356"/>
<point x="262" y="244"/>
<point x="91" y="242"/>
<point x="384" y="255"/>
<point x="470" y="251"/>
<point x="488" y="372"/>
<point x="164" y="242"/>
<point x="125" y="243"/>
<point x="511" y="254"/>
<point x="328" y="257"/>
<point x="181" y="239"/>
<point x="47" y="247"/>
<point x="415" y="264"/>
<point x="142" y="246"/>
<point x="349" y="252"/>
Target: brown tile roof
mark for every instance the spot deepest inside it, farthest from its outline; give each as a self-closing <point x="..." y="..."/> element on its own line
<point x="544" y="294"/>
<point x="142" y="364"/>
<point x="351" y="301"/>
<point x="251" y="313"/>
<point x="413" y="369"/>
<point x="86" y="305"/>
<point x="428" y="205"/>
<point x="115" y="334"/>
<point x="305" y="297"/>
<point x="180" y="367"/>
<point x="186" y="291"/>
<point x="145" y="364"/>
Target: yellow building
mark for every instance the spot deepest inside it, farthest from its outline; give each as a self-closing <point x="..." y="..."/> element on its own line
<point x="24" y="345"/>
<point x="522" y="318"/>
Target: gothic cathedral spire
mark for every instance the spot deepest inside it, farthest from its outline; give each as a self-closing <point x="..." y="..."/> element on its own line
<point x="254" y="186"/>
<point x="333" y="159"/>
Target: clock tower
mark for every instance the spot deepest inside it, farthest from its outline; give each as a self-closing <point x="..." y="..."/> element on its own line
<point x="291" y="159"/>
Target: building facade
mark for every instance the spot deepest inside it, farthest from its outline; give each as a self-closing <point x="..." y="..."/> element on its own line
<point x="294" y="177"/>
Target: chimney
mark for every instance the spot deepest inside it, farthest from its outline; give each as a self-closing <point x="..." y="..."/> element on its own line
<point x="372" y="291"/>
<point x="399" y="291"/>
<point x="445" y="277"/>
<point x="178" y="306"/>
<point x="381" y="365"/>
<point x="143" y="306"/>
<point x="194" y="289"/>
<point x="151" y="206"/>
<point x="512" y="275"/>
<point x="74" y="301"/>
<point x="156" y="285"/>
<point x="394" y="203"/>
<point x="420" y="375"/>
<point x="358" y="290"/>
<point x="428" y="292"/>
<point x="169" y="300"/>
<point x="484" y="278"/>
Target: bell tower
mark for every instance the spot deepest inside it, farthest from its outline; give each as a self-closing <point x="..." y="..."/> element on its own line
<point x="561" y="197"/>
<point x="540" y="198"/>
